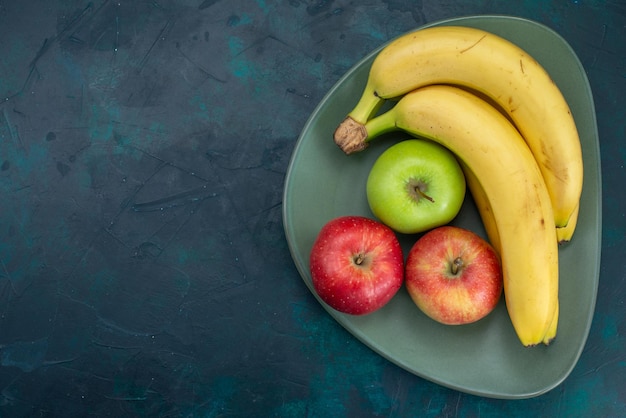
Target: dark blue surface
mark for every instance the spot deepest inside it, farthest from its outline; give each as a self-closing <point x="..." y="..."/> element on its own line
<point x="143" y="265"/>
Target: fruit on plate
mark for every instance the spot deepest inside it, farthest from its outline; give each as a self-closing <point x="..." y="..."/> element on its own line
<point x="564" y="234"/>
<point x="415" y="185"/>
<point x="486" y="214"/>
<point x="492" y="148"/>
<point x="453" y="275"/>
<point x="356" y="264"/>
<point x="481" y="200"/>
<point x="495" y="68"/>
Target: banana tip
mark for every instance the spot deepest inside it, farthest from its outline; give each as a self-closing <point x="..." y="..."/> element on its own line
<point x="549" y="341"/>
<point x="350" y="136"/>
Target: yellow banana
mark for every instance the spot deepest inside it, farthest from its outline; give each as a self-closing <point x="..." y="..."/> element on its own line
<point x="494" y="67"/>
<point x="512" y="182"/>
<point x="484" y="208"/>
<point x="563" y="234"/>
<point x="486" y="214"/>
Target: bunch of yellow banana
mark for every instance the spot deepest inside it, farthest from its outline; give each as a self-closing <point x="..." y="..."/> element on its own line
<point x="498" y="110"/>
<point x="501" y="72"/>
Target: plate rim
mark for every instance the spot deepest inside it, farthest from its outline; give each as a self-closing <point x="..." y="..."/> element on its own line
<point x="597" y="203"/>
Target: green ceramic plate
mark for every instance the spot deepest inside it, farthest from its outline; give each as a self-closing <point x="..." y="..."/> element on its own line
<point x="484" y="358"/>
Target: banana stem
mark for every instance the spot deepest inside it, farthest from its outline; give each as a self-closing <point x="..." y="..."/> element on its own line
<point x="380" y="125"/>
<point x="352" y="136"/>
<point x="367" y="106"/>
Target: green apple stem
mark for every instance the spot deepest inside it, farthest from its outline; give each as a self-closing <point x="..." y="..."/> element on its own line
<point x="424" y="195"/>
<point x="416" y="187"/>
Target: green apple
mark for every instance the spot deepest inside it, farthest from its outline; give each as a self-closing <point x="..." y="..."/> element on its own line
<point x="415" y="185"/>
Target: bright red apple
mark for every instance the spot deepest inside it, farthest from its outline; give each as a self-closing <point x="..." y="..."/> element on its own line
<point x="453" y="275"/>
<point x="356" y="264"/>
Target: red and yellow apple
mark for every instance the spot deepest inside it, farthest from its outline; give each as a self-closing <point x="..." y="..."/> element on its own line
<point x="453" y="275"/>
<point x="356" y="264"/>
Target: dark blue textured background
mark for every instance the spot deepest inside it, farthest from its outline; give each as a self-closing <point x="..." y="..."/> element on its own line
<point x="143" y="265"/>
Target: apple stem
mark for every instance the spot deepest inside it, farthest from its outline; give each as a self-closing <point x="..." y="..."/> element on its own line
<point x="424" y="195"/>
<point x="358" y="259"/>
<point x="456" y="265"/>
